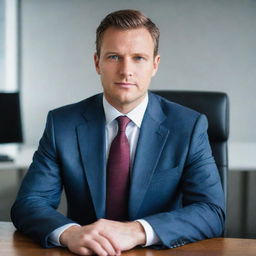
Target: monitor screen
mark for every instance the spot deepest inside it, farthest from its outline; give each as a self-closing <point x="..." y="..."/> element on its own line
<point x="10" y="118"/>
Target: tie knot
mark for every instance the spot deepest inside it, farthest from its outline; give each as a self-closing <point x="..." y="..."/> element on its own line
<point x="123" y="121"/>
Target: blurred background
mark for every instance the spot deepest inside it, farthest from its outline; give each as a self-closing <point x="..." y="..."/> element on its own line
<point x="46" y="54"/>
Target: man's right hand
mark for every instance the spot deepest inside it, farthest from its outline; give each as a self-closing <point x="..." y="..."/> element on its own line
<point x="88" y="240"/>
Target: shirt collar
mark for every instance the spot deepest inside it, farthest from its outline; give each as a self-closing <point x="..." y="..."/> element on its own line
<point x="136" y="115"/>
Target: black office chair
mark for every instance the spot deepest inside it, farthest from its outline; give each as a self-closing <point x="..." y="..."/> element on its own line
<point x="215" y="105"/>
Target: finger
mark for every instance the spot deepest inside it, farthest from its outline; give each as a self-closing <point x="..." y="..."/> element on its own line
<point x="106" y="245"/>
<point x="96" y="247"/>
<point x="83" y="251"/>
<point x="113" y="243"/>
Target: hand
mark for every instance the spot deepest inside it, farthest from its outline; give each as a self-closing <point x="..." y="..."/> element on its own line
<point x="103" y="237"/>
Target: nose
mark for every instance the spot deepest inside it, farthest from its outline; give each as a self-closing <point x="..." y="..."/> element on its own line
<point x="126" y="68"/>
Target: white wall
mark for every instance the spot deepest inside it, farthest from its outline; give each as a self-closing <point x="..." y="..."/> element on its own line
<point x="205" y="45"/>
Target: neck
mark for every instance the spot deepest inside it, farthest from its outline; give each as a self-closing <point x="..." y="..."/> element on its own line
<point x="123" y="107"/>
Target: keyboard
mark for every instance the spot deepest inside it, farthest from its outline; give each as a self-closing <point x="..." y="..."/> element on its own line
<point x="5" y="158"/>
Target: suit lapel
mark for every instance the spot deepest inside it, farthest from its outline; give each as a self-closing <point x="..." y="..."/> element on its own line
<point x="152" y="138"/>
<point x="91" y="139"/>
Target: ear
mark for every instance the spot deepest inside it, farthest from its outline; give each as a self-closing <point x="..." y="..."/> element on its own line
<point x="156" y="63"/>
<point x="96" y="62"/>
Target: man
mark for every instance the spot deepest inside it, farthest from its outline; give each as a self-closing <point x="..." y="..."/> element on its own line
<point x="168" y="193"/>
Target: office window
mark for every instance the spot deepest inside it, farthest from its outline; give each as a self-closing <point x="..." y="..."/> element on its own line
<point x="8" y="45"/>
<point x="2" y="40"/>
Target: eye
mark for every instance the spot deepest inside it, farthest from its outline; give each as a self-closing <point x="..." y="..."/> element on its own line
<point x="113" y="57"/>
<point x="139" y="58"/>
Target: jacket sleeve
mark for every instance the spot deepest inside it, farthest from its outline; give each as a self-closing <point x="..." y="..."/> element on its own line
<point x="202" y="213"/>
<point x="35" y="210"/>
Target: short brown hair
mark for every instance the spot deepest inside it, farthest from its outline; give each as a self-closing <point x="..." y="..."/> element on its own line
<point x="127" y="19"/>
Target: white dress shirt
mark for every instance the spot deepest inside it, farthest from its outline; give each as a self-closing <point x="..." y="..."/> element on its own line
<point x="132" y="133"/>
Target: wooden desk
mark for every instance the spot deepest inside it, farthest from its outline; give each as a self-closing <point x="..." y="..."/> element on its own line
<point x="13" y="243"/>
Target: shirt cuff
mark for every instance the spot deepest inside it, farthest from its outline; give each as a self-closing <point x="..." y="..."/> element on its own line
<point x="54" y="237"/>
<point x="151" y="236"/>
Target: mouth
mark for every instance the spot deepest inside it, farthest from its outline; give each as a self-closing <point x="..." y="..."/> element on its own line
<point x="125" y="84"/>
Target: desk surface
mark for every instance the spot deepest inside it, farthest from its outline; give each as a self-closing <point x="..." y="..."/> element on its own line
<point x="22" y="160"/>
<point x="242" y="156"/>
<point x="13" y="243"/>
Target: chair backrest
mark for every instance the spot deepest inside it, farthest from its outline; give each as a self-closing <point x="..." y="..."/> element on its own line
<point x="215" y="105"/>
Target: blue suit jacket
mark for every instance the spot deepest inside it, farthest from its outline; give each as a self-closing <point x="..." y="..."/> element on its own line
<point x="175" y="184"/>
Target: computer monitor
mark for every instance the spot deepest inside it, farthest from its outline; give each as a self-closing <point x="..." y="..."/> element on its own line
<point x="10" y="118"/>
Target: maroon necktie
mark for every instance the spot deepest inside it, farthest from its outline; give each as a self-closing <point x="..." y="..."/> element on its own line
<point x="118" y="174"/>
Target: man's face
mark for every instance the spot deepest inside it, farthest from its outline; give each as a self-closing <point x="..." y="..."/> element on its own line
<point x="126" y="66"/>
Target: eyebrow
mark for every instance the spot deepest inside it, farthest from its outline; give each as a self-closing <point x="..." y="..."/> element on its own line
<point x="134" y="54"/>
<point x="108" y="53"/>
